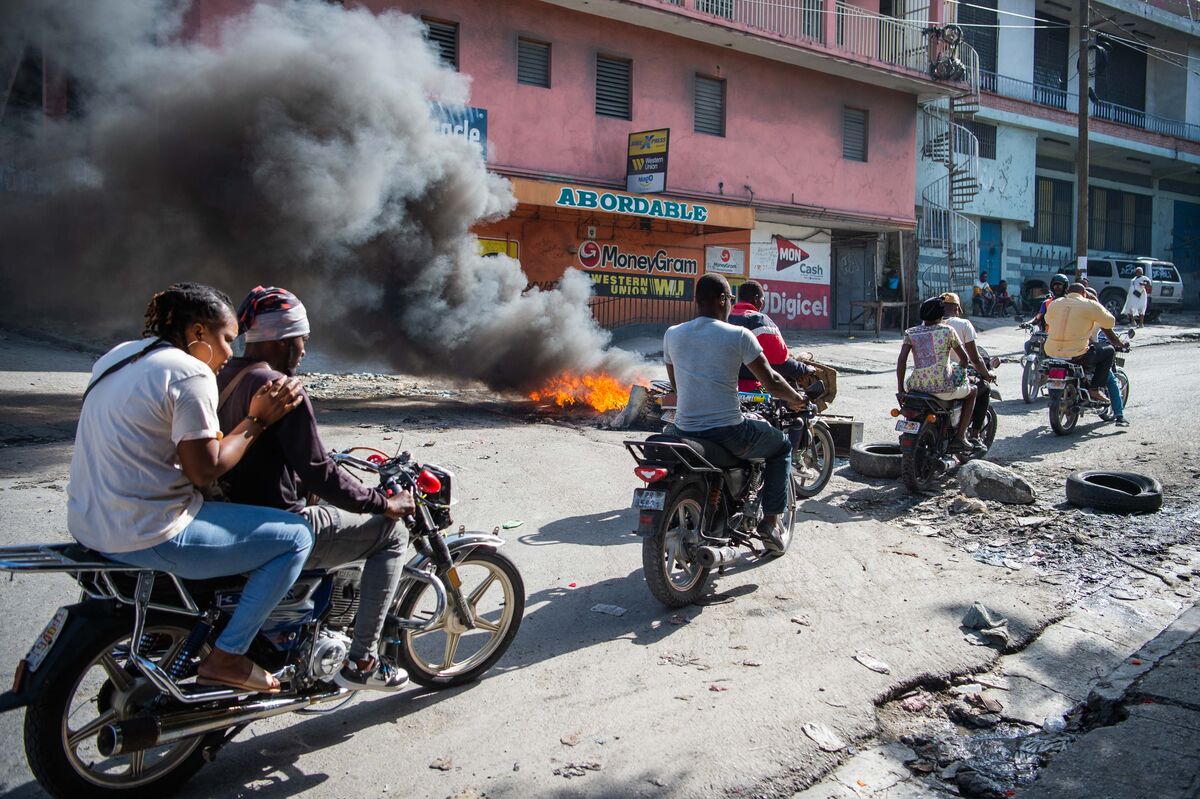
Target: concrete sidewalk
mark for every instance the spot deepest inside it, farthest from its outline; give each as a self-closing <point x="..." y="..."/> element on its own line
<point x="862" y="352"/>
<point x="1150" y="745"/>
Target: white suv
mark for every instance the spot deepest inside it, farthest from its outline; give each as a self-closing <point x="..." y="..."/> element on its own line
<point x="1110" y="278"/>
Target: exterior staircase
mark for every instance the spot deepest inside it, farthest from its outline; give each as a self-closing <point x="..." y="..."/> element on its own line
<point x="948" y="238"/>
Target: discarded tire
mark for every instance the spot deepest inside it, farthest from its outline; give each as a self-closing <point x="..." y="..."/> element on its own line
<point x="1123" y="492"/>
<point x="876" y="460"/>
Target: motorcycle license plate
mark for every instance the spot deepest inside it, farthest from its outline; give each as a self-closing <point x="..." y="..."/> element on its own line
<point x="903" y="426"/>
<point x="1056" y="384"/>
<point x="648" y="499"/>
<point x="41" y="647"/>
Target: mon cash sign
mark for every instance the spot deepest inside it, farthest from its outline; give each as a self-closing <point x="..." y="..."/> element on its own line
<point x="618" y="203"/>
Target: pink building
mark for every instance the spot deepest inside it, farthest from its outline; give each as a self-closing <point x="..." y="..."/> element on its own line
<point x="791" y="128"/>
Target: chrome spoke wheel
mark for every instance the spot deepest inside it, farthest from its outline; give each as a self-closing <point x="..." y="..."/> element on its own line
<point x="682" y="531"/>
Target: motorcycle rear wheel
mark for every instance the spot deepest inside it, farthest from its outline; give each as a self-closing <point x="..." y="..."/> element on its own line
<point x="918" y="464"/>
<point x="673" y="575"/>
<point x="1064" y="415"/>
<point x="816" y="459"/>
<point x="61" y="746"/>
<point x="492" y="586"/>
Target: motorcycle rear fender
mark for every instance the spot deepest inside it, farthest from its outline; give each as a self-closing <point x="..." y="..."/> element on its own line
<point x="909" y="440"/>
<point x="86" y="622"/>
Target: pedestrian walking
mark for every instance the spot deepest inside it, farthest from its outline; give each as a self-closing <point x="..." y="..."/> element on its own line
<point x="1137" y="300"/>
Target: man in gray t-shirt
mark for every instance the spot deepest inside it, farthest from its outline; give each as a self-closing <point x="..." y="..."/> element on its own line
<point x="703" y="358"/>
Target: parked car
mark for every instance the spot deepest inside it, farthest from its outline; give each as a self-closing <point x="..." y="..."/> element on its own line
<point x="1110" y="278"/>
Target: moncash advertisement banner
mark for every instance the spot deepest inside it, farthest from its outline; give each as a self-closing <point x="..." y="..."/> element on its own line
<point x="794" y="266"/>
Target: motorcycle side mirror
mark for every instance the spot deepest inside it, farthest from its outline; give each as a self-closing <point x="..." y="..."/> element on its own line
<point x="995" y="362"/>
<point x="815" y="390"/>
<point x="1130" y="333"/>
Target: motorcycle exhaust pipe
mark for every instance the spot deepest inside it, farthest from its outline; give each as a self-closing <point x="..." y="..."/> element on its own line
<point x="712" y="557"/>
<point x="134" y="735"/>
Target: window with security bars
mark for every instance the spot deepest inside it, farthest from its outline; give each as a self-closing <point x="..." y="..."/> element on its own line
<point x="709" y="104"/>
<point x="1119" y="221"/>
<point x="854" y="134"/>
<point x="986" y="136"/>
<point x="1053" y="213"/>
<point x="444" y="36"/>
<point x="614" y="87"/>
<point x="533" y="63"/>
<point x="721" y="8"/>
<point x="979" y="21"/>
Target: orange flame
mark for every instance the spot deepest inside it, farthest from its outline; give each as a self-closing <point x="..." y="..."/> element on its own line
<point x="600" y="391"/>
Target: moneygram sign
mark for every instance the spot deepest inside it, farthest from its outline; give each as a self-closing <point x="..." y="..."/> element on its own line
<point x="617" y="203"/>
<point x="611" y="256"/>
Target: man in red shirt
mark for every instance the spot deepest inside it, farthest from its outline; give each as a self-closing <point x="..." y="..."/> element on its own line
<point x="748" y="313"/>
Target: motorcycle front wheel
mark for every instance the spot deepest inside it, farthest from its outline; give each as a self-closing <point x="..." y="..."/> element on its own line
<point x="1064" y="415"/>
<point x="97" y="689"/>
<point x="1031" y="382"/>
<point x="451" y="653"/>
<point x="812" y="466"/>
<point x="673" y="574"/>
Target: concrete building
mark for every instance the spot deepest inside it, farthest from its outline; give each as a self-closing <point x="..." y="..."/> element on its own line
<point x="1144" y="178"/>
<point x="786" y="127"/>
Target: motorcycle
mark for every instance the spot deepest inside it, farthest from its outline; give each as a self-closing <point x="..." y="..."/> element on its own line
<point x="1067" y="385"/>
<point x="928" y="426"/>
<point x="1032" y="378"/>
<point x="701" y="505"/>
<point x="112" y="706"/>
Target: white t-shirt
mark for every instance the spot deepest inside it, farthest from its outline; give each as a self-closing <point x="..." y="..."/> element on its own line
<point x="965" y="330"/>
<point x="126" y="490"/>
<point x="706" y="355"/>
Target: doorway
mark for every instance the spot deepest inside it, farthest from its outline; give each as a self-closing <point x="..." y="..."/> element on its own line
<point x="991" y="248"/>
<point x="854" y="268"/>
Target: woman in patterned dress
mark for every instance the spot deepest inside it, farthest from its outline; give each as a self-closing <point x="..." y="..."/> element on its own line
<point x="931" y="343"/>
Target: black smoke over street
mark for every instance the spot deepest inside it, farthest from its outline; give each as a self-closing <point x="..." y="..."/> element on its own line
<point x="291" y="145"/>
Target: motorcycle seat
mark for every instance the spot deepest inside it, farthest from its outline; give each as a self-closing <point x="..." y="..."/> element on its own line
<point x="931" y="398"/>
<point x="713" y="453"/>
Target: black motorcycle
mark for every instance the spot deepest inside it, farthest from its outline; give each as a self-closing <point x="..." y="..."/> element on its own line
<point x="701" y="505"/>
<point x="1067" y="385"/>
<point x="113" y="707"/>
<point x="928" y="426"/>
<point x="1033" y="380"/>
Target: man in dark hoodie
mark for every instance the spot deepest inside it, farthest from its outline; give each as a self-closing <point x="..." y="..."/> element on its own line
<point x="352" y="522"/>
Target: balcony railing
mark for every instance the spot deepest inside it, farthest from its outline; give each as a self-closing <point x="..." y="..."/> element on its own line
<point x="1069" y="101"/>
<point x="898" y="42"/>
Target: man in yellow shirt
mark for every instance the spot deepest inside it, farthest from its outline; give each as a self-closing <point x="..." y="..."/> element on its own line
<point x="1069" y="324"/>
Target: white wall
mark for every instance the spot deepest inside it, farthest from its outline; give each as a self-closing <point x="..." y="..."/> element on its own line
<point x="1167" y="84"/>
<point x="1193" y="86"/>
<point x="1007" y="191"/>
<point x="1014" y="58"/>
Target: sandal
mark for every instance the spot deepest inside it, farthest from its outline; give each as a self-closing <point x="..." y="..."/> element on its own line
<point x="256" y="680"/>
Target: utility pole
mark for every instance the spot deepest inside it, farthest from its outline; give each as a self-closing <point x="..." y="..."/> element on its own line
<point x="1081" y="154"/>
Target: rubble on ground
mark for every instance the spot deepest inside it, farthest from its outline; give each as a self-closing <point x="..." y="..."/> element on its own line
<point x="986" y="480"/>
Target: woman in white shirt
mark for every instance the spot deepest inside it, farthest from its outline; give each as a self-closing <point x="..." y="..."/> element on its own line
<point x="1138" y="298"/>
<point x="148" y="439"/>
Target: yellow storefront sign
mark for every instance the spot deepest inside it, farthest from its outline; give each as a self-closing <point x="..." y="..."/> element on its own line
<point x="649" y="142"/>
<point x="509" y="247"/>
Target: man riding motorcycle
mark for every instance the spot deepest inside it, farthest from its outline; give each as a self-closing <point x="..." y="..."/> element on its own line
<point x="703" y="357"/>
<point x="748" y="313"/>
<point x="952" y="310"/>
<point x="354" y="522"/>
<point x="1069" y="325"/>
<point x="1058" y="289"/>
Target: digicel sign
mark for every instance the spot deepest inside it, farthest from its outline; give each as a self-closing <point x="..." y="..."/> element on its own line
<point x="797" y="305"/>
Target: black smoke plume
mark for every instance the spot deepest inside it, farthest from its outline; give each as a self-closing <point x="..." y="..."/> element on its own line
<point x="291" y="145"/>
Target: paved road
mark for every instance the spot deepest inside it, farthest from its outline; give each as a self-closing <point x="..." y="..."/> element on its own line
<point x="636" y="691"/>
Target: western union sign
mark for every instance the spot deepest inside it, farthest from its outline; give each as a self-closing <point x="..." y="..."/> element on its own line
<point x="646" y="164"/>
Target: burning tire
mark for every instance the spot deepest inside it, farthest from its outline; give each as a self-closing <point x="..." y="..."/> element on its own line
<point x="1122" y="492"/>
<point x="876" y="460"/>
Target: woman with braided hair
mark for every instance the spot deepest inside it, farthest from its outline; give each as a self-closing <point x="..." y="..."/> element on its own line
<point x="149" y="439"/>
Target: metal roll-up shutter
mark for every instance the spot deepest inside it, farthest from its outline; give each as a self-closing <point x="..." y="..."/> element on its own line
<point x="709" y="104"/>
<point x="854" y="134"/>
<point x="614" y="87"/>
<point x="533" y="63"/>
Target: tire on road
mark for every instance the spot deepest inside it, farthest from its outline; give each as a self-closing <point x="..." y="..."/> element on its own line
<point x="1123" y="492"/>
<point x="876" y="460"/>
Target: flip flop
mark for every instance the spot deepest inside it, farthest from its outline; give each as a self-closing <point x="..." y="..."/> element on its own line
<point x="256" y="681"/>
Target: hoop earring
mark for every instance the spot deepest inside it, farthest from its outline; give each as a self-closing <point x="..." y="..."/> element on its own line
<point x="207" y="361"/>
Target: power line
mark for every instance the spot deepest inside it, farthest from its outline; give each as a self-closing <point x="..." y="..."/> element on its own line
<point x="1045" y="22"/>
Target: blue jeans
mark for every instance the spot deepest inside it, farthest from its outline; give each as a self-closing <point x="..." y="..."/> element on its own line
<point x="1114" y="395"/>
<point x="753" y="439"/>
<point x="269" y="544"/>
